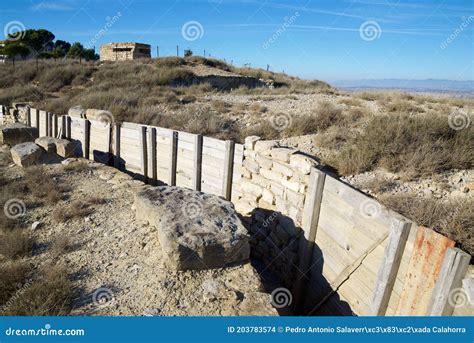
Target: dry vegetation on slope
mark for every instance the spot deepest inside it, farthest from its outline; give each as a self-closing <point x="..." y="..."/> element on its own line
<point x="404" y="134"/>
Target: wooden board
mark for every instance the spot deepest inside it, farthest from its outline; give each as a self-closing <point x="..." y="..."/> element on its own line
<point x="423" y="269"/>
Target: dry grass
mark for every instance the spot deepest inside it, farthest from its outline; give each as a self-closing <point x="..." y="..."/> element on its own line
<point x="12" y="278"/>
<point x="76" y="209"/>
<point x="379" y="185"/>
<point x="42" y="187"/>
<point x="15" y="243"/>
<point x="49" y="295"/>
<point x="76" y="167"/>
<point x="258" y="108"/>
<point x="220" y="106"/>
<point x="60" y="245"/>
<point x="412" y="145"/>
<point x="454" y="219"/>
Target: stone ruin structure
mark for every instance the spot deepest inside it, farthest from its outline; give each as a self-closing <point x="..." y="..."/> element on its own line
<point x="124" y="51"/>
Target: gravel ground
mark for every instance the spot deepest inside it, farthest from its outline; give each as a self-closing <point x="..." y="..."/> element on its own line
<point x="116" y="263"/>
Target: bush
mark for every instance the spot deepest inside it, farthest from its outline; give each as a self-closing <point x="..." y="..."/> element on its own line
<point x="414" y="145"/>
<point x="15" y="243"/>
<point x="20" y="92"/>
<point x="453" y="219"/>
<point x="51" y="295"/>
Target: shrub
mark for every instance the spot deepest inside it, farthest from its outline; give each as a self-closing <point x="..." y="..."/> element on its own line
<point x="15" y="243"/>
<point x="414" y="145"/>
<point x="169" y="61"/>
<point x="13" y="277"/>
<point x="454" y="218"/>
<point x="20" y="92"/>
<point x="326" y="114"/>
<point x="50" y="295"/>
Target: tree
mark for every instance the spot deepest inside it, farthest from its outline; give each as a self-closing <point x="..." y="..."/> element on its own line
<point x="188" y="53"/>
<point x="38" y="40"/>
<point x="12" y="49"/>
<point x="61" y="44"/>
<point x="90" y="55"/>
<point x="76" y="51"/>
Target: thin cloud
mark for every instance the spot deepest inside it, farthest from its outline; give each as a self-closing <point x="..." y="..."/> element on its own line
<point x="51" y="6"/>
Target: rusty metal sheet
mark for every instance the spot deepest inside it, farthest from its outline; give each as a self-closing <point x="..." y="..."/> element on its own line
<point x="425" y="263"/>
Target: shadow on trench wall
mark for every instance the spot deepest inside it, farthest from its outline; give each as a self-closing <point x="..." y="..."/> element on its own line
<point x="274" y="244"/>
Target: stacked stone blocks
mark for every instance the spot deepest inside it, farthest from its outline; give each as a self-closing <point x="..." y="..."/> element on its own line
<point x="273" y="191"/>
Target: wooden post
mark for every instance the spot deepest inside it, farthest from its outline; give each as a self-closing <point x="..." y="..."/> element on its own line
<point x="228" y="169"/>
<point x="87" y="132"/>
<point x="173" y="158"/>
<point x="154" y="166"/>
<point x="37" y="115"/>
<point x="117" y="163"/>
<point x="46" y="123"/>
<point x="144" y="152"/>
<point x="68" y="127"/>
<point x="63" y="126"/>
<point x="387" y="274"/>
<point x="197" y="163"/>
<point x="28" y="116"/>
<point x="453" y="270"/>
<point x="311" y="211"/>
<point x="55" y="126"/>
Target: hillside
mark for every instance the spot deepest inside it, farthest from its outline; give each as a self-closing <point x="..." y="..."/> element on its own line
<point x="402" y="148"/>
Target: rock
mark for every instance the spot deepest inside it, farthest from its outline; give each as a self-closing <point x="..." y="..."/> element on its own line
<point x="195" y="230"/>
<point x="69" y="161"/>
<point x="99" y="115"/>
<point x="47" y="143"/>
<point x="64" y="148"/>
<point x="250" y="142"/>
<point x="35" y="225"/>
<point x="261" y="146"/>
<point x="16" y="133"/>
<point x="26" y="154"/>
<point x="77" y="112"/>
<point x="282" y="154"/>
<point x="302" y="163"/>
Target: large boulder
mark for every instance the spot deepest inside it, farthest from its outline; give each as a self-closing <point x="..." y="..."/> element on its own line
<point x="195" y="230"/>
<point x="16" y="133"/>
<point x="47" y="143"/>
<point x="26" y="154"/>
<point x="65" y="148"/>
<point x="61" y="147"/>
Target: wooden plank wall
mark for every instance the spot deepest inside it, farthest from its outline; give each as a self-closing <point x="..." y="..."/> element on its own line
<point x="161" y="156"/>
<point x="352" y="229"/>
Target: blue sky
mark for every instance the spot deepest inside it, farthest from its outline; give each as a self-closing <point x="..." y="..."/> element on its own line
<point x="328" y="40"/>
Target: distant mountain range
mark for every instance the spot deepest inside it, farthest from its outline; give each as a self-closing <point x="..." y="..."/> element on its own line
<point x="465" y="88"/>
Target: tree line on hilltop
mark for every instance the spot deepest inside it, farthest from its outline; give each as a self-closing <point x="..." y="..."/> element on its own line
<point x="41" y="44"/>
